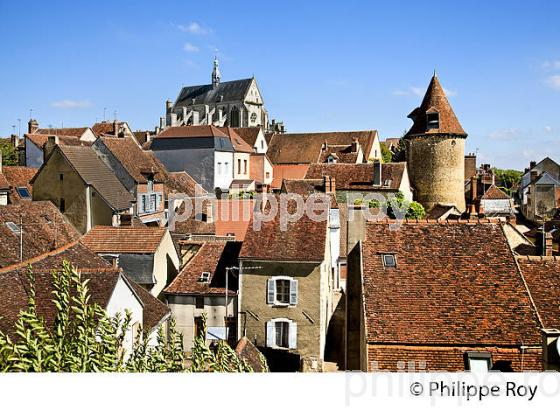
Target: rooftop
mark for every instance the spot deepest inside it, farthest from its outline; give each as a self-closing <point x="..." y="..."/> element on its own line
<point x="124" y="239"/>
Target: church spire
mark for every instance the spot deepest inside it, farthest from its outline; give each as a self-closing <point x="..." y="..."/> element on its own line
<point x="216" y="76"/>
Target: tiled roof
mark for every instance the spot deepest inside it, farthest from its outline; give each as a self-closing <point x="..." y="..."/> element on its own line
<point x="181" y="182"/>
<point x="134" y="159"/>
<point x="249" y="134"/>
<point x="106" y="127"/>
<point x="124" y="239"/>
<point x="495" y="193"/>
<point x="233" y="216"/>
<point x="142" y="136"/>
<point x="63" y="132"/>
<point x="239" y="144"/>
<point x="306" y="148"/>
<point x="95" y="173"/>
<point x="155" y="311"/>
<point x="435" y="101"/>
<point x="359" y="176"/>
<point x="193" y="131"/>
<point x="226" y="91"/>
<point x="249" y="352"/>
<point x="287" y="171"/>
<point x="16" y="177"/>
<point x="302" y="186"/>
<point x="342" y="153"/>
<point x="542" y="275"/>
<point x="4" y="184"/>
<point x="303" y="240"/>
<point x="454" y="284"/>
<point x="44" y="229"/>
<point x="212" y="257"/>
<point x="41" y="139"/>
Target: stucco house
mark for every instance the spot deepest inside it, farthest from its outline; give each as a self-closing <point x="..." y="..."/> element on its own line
<point x="200" y="288"/>
<point x="286" y="292"/>
<point x="147" y="255"/>
<point x="538" y="190"/>
<point x="85" y="190"/>
<point x="254" y="136"/>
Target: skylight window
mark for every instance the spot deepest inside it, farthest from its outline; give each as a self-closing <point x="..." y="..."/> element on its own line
<point x="13" y="227"/>
<point x="23" y="192"/>
<point x="433" y="120"/>
<point x="389" y="261"/>
<point x="204" y="277"/>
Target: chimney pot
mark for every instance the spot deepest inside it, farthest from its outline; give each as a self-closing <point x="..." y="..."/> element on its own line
<point x="534" y="175"/>
<point x="377" y="172"/>
<point x="532" y="164"/>
<point x="32" y="126"/>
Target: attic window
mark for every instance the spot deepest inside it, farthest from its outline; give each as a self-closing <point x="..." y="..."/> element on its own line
<point x="389" y="261"/>
<point x="387" y="182"/>
<point x="432" y="119"/>
<point x="23" y="192"/>
<point x="13" y="227"/>
<point x="478" y="362"/>
<point x="204" y="277"/>
<point x="331" y="159"/>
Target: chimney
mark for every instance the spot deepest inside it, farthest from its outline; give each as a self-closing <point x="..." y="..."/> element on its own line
<point x="548" y="244"/>
<point x="162" y="123"/>
<point x="377" y="172"/>
<point x="355" y="145"/>
<point x="0" y="162"/>
<point x="208" y="210"/>
<point x="532" y="164"/>
<point x="52" y="141"/>
<point x="116" y="127"/>
<point x="534" y="175"/>
<point x="32" y="126"/>
<point x="329" y="184"/>
<point x="14" y="139"/>
<point x="168" y="106"/>
<point x="474" y="186"/>
<point x="324" y="146"/>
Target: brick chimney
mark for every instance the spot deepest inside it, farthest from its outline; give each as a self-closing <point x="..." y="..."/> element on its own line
<point x="377" y="172"/>
<point x="355" y="145"/>
<point x="548" y="244"/>
<point x="329" y="184"/>
<point x="52" y="141"/>
<point x="116" y="128"/>
<point x="534" y="175"/>
<point x="532" y="164"/>
<point x="32" y="126"/>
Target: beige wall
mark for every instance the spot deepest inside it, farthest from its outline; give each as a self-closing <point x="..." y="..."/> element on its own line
<point x="165" y="248"/>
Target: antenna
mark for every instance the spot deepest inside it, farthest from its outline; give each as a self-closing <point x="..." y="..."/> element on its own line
<point x="104" y="112"/>
<point x="115" y="113"/>
<point x="31" y="113"/>
<point x="19" y="127"/>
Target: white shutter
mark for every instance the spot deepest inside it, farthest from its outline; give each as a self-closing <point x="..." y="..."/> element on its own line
<point x="158" y="201"/>
<point x="292" y="341"/>
<point x="271" y="287"/>
<point x="270" y="334"/>
<point x="293" y="292"/>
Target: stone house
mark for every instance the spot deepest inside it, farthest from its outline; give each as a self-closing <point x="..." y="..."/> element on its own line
<point x="437" y="296"/>
<point x="538" y="190"/>
<point x="141" y="174"/>
<point x="147" y="255"/>
<point x="85" y="190"/>
<point x="200" y="288"/>
<point x="237" y="103"/>
<point x="286" y="291"/>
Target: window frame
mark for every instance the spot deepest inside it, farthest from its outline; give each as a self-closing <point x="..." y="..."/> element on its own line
<point x="25" y="190"/>
<point x="432" y="121"/>
<point x="289" y="338"/>
<point x="275" y="301"/>
<point x="481" y="356"/>
<point x="385" y="264"/>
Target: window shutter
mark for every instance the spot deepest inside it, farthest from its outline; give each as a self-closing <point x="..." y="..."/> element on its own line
<point x="271" y="285"/>
<point x="292" y="341"/>
<point x="270" y="334"/>
<point x="293" y="292"/>
<point x="142" y="203"/>
<point x="158" y="201"/>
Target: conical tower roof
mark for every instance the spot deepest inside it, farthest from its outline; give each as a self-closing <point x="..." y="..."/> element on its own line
<point x="434" y="101"/>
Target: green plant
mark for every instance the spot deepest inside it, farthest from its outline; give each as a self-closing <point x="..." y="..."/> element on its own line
<point x="386" y="154"/>
<point x="508" y="179"/>
<point x="9" y="152"/>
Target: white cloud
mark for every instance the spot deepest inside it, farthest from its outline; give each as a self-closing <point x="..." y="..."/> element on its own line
<point x="547" y="128"/>
<point x="553" y="81"/>
<point x="450" y="93"/>
<point x="417" y="91"/>
<point x="71" y="104"/>
<point x="190" y="48"/>
<point x="551" y="65"/>
<point x="506" y="134"/>
<point x="194" y="28"/>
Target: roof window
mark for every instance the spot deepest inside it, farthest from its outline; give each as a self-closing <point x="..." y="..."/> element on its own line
<point x="23" y="192"/>
<point x="13" y="227"/>
<point x="204" y="277"/>
<point x="389" y="260"/>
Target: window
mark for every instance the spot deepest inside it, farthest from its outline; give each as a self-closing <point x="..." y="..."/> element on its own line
<point x="262" y="144"/>
<point x="238" y="166"/>
<point x="62" y="205"/>
<point x="61" y="176"/>
<point x="478" y="362"/>
<point x="199" y="327"/>
<point x="432" y="120"/>
<point x="150" y="184"/>
<point x="267" y="175"/>
<point x="389" y="261"/>
<point x="282" y="291"/>
<point x="149" y="202"/>
<point x="204" y="276"/>
<point x="199" y="302"/>
<point x="13" y="227"/>
<point x="226" y="168"/>
<point x="253" y="117"/>
<point x="245" y="166"/>
<point x="219" y="168"/>
<point x="23" y="192"/>
<point x="112" y="259"/>
<point x="281" y="333"/>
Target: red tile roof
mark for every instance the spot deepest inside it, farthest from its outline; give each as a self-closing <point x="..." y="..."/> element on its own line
<point x="359" y="176"/>
<point x="281" y="172"/>
<point x="454" y="284"/>
<point x="63" y="132"/>
<point x="239" y="144"/>
<point x="342" y="154"/>
<point x="303" y="240"/>
<point x="181" y="182"/>
<point x="435" y="101"/>
<point x="212" y="257"/>
<point x="495" y="193"/>
<point x="41" y="139"/>
<point x="106" y="127"/>
<point x="249" y="134"/>
<point x="124" y="239"/>
<point x="17" y="177"/>
<point x="194" y="131"/>
<point x="233" y="216"/>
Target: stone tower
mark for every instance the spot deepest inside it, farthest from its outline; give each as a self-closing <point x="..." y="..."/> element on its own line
<point x="435" y="149"/>
<point x="216" y="76"/>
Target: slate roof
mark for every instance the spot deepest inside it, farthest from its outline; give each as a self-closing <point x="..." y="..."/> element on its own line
<point x="306" y="148"/>
<point x="227" y="91"/>
<point x="435" y="101"/>
<point x="212" y="257"/>
<point x="454" y="284"/>
<point x="95" y="173"/>
<point x="542" y="275"/>
<point x="134" y="159"/>
<point x="192" y="131"/>
<point x="44" y="229"/>
<point x="303" y="240"/>
<point x="124" y="239"/>
<point x="359" y="176"/>
<point x="15" y="177"/>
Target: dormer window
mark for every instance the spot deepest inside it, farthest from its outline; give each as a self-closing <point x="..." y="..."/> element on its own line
<point x="331" y="159"/>
<point x="432" y="119"/>
<point x="150" y="184"/>
<point x="204" y="277"/>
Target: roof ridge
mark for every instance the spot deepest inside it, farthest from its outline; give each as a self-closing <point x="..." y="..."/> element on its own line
<point x="39" y="257"/>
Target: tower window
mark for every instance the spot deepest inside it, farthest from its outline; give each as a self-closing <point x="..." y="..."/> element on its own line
<point x="433" y="120"/>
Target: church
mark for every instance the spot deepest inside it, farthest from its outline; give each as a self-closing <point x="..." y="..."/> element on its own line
<point x="237" y="103"/>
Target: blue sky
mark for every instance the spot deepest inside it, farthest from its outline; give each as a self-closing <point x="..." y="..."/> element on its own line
<point x="321" y="66"/>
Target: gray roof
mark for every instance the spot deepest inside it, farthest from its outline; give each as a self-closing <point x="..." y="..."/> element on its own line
<point x="206" y="94"/>
<point x="95" y="173"/>
<point x="546" y="164"/>
<point x="546" y="179"/>
<point x="139" y="267"/>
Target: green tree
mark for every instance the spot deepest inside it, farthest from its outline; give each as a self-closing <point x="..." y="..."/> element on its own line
<point x="507" y="179"/>
<point x="83" y="338"/>
<point x="9" y="153"/>
<point x="386" y="154"/>
<point x="397" y="204"/>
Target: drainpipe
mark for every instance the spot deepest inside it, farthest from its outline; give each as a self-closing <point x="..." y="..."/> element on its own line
<point x="88" y="208"/>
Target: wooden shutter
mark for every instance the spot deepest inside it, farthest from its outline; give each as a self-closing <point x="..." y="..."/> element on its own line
<point x="270" y="334"/>
<point x="293" y="292"/>
<point x="292" y="336"/>
<point x="142" y="204"/>
<point x="271" y="287"/>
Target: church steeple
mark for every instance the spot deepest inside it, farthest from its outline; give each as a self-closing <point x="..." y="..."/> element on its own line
<point x="216" y="76"/>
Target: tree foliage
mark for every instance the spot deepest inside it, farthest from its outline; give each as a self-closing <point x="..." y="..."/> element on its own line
<point x="396" y="206"/>
<point x="386" y="154"/>
<point x="83" y="338"/>
<point x="507" y="179"/>
<point x="9" y="152"/>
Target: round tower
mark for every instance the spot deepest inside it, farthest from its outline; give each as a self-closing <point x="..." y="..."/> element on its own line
<point x="435" y="151"/>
